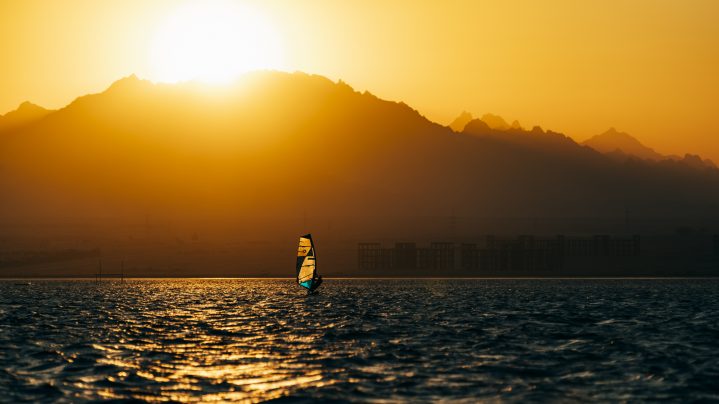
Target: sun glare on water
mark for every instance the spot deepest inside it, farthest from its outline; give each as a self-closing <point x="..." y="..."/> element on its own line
<point x="214" y="42"/>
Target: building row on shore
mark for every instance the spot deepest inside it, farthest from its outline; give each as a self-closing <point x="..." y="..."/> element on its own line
<point x="599" y="255"/>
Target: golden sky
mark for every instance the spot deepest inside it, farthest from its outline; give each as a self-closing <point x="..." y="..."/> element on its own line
<point x="647" y="67"/>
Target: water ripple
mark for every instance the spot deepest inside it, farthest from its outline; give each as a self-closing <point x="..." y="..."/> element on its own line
<point x="360" y="340"/>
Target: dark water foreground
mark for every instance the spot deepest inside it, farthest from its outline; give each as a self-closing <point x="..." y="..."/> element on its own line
<point x="414" y="340"/>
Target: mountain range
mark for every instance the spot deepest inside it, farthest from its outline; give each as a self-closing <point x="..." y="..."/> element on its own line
<point x="618" y="145"/>
<point x="279" y="154"/>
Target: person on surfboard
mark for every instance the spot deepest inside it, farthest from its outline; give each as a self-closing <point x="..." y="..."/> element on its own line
<point x="315" y="284"/>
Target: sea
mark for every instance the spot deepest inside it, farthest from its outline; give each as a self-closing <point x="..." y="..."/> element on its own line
<point x="360" y="340"/>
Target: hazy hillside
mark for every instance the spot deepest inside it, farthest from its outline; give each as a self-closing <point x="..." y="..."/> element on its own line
<point x="612" y="141"/>
<point x="621" y="146"/>
<point x="283" y="143"/>
<point x="25" y="114"/>
<point x="279" y="154"/>
<point x="460" y="121"/>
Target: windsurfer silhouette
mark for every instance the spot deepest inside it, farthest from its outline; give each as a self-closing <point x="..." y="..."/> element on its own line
<point x="316" y="282"/>
<point x="307" y="275"/>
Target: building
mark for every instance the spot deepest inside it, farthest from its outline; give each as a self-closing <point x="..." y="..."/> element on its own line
<point x="525" y="255"/>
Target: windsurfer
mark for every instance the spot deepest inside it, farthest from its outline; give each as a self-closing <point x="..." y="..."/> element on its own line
<point x="315" y="284"/>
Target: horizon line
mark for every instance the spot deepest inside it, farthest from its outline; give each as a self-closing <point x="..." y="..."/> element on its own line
<point x="3" y="279"/>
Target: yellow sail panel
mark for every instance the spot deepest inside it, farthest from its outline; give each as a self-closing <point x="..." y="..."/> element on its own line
<point x="307" y="264"/>
<point x="307" y="270"/>
<point x="304" y="247"/>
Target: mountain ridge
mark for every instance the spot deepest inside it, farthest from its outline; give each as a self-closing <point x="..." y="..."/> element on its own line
<point x="25" y="113"/>
<point x="144" y="144"/>
<point x="622" y="145"/>
<point x="612" y="140"/>
<point x="613" y="143"/>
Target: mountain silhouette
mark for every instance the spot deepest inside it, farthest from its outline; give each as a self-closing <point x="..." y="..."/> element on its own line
<point x="184" y="145"/>
<point x="461" y="121"/>
<point x="26" y="113"/>
<point x="279" y="153"/>
<point x="696" y="161"/>
<point x="496" y="122"/>
<point x="612" y="141"/>
<point x="621" y="145"/>
<point x="478" y="127"/>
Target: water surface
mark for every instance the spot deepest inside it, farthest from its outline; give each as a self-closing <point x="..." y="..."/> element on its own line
<point x="363" y="340"/>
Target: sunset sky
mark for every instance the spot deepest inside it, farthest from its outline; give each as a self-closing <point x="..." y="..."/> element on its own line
<point x="647" y="67"/>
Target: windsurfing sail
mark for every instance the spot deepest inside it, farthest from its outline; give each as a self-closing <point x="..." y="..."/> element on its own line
<point x="306" y="263"/>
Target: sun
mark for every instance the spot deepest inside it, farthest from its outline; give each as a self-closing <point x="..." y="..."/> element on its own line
<point x="214" y="42"/>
